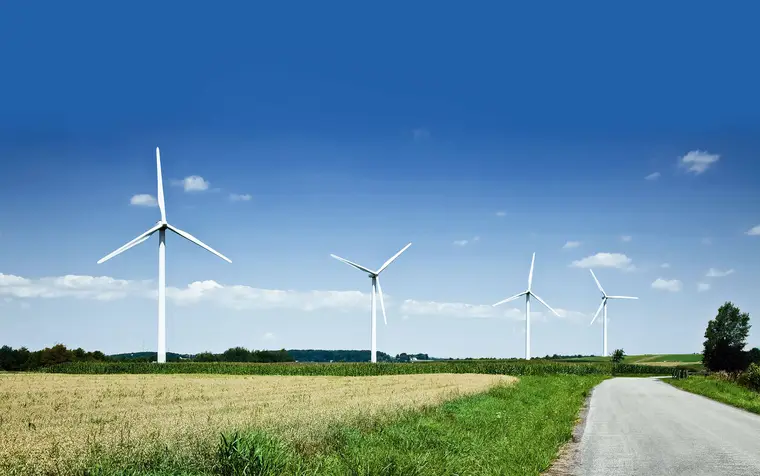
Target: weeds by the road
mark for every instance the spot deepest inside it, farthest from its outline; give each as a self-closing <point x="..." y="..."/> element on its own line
<point x="722" y="390"/>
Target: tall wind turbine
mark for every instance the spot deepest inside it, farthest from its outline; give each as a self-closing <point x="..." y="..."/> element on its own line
<point x="161" y="226"/>
<point x="376" y="289"/>
<point x="528" y="293"/>
<point x="603" y="305"/>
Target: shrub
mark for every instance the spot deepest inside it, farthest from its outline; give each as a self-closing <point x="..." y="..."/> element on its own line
<point x="751" y="377"/>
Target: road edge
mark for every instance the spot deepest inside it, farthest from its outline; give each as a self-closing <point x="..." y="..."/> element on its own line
<point x="569" y="453"/>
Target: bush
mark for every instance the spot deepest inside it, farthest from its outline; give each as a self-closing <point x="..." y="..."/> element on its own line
<point x="751" y="377"/>
<point x="618" y="356"/>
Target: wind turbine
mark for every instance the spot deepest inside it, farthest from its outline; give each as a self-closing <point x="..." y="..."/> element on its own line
<point x="603" y="305"/>
<point x="528" y="293"/>
<point x="161" y="226"/>
<point x="376" y="289"/>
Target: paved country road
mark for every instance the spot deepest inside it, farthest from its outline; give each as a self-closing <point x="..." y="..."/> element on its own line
<point x="642" y="426"/>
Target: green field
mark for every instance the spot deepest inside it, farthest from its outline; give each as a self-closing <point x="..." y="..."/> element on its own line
<point x="721" y="390"/>
<point x="646" y="359"/>
<point x="501" y="367"/>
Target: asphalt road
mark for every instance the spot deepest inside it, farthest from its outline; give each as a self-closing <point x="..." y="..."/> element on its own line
<point x="641" y="426"/>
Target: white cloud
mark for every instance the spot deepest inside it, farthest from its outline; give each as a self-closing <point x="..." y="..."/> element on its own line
<point x="754" y="231"/>
<point x="242" y="297"/>
<point x="193" y="183"/>
<point x="605" y="260"/>
<point x="672" y="285"/>
<point x="716" y="273"/>
<point x="410" y="307"/>
<point x="665" y="265"/>
<point x="269" y="336"/>
<point x="143" y="200"/>
<point x="100" y="288"/>
<point x="474" y="239"/>
<point x="240" y="197"/>
<point x="706" y="241"/>
<point x="698" y="161"/>
<point x="626" y="238"/>
<point x="502" y="213"/>
<point x="653" y="176"/>
<point x="571" y="244"/>
<point x="421" y="133"/>
<point x="702" y="287"/>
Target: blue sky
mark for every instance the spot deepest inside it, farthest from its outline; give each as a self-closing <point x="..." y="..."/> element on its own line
<point x="289" y="132"/>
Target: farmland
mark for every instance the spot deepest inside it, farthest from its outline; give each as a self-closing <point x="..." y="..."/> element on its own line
<point x="69" y="421"/>
<point x="658" y="360"/>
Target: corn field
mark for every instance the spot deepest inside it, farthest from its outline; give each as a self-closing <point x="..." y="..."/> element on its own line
<point x="495" y="367"/>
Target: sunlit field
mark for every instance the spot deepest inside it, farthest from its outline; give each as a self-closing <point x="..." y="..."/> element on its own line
<point x="61" y="424"/>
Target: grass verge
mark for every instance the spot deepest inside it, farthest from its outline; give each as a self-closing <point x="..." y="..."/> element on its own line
<point x="721" y="390"/>
<point x="515" y="429"/>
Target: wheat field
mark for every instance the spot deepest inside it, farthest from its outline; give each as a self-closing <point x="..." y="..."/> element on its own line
<point x="58" y="424"/>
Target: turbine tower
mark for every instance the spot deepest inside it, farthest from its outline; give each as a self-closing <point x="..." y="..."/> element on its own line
<point x="528" y="293"/>
<point x="161" y="226"/>
<point x="376" y="289"/>
<point x="603" y="305"/>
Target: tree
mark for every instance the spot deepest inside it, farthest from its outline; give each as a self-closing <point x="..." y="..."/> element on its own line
<point x="618" y="356"/>
<point x="725" y="338"/>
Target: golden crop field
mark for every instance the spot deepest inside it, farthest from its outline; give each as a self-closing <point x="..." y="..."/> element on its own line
<point x="55" y="424"/>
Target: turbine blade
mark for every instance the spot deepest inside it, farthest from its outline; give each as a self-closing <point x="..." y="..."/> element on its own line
<point x="544" y="303"/>
<point x="597" y="312"/>
<point x="510" y="298"/>
<point x="597" y="282"/>
<point x="530" y="276"/>
<point x="393" y="258"/>
<point x="621" y="297"/>
<point x="198" y="242"/>
<point x="382" y="304"/>
<point x="161" y="204"/>
<point x="131" y="244"/>
<point x="357" y="266"/>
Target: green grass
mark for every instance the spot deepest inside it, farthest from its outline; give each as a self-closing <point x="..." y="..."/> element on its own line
<point x="721" y="390"/>
<point x="514" y="429"/>
<point x="502" y="367"/>
<point x="644" y="358"/>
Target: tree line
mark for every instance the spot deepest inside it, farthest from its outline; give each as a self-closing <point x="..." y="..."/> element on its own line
<point x="22" y="359"/>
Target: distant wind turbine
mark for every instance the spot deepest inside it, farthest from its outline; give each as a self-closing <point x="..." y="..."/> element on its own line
<point x="528" y="293"/>
<point x="376" y="289"/>
<point x="603" y="305"/>
<point x="161" y="226"/>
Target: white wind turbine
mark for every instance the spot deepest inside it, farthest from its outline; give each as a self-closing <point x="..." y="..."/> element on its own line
<point x="161" y="226"/>
<point x="376" y="289"/>
<point x="528" y="293"/>
<point x="603" y="305"/>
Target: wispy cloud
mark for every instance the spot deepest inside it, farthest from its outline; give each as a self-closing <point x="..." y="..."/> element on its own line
<point x="269" y="336"/>
<point x="706" y="241"/>
<point x="241" y="297"/>
<point x="671" y="285"/>
<point x="697" y="161"/>
<point x="240" y="197"/>
<point x="474" y="239"/>
<point x="143" y="200"/>
<point x="702" y="287"/>
<point x="571" y="244"/>
<point x="653" y="176"/>
<point x="502" y="214"/>
<point x="193" y="183"/>
<point x="605" y="260"/>
<point x="716" y="273"/>
<point x="665" y="265"/>
<point x="754" y="231"/>
<point x="626" y="238"/>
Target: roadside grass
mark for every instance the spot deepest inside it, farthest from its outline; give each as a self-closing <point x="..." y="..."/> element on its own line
<point x="510" y="429"/>
<point x="720" y="390"/>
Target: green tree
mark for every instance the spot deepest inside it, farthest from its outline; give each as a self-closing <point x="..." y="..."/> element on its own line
<point x="725" y="338"/>
<point x="617" y="356"/>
